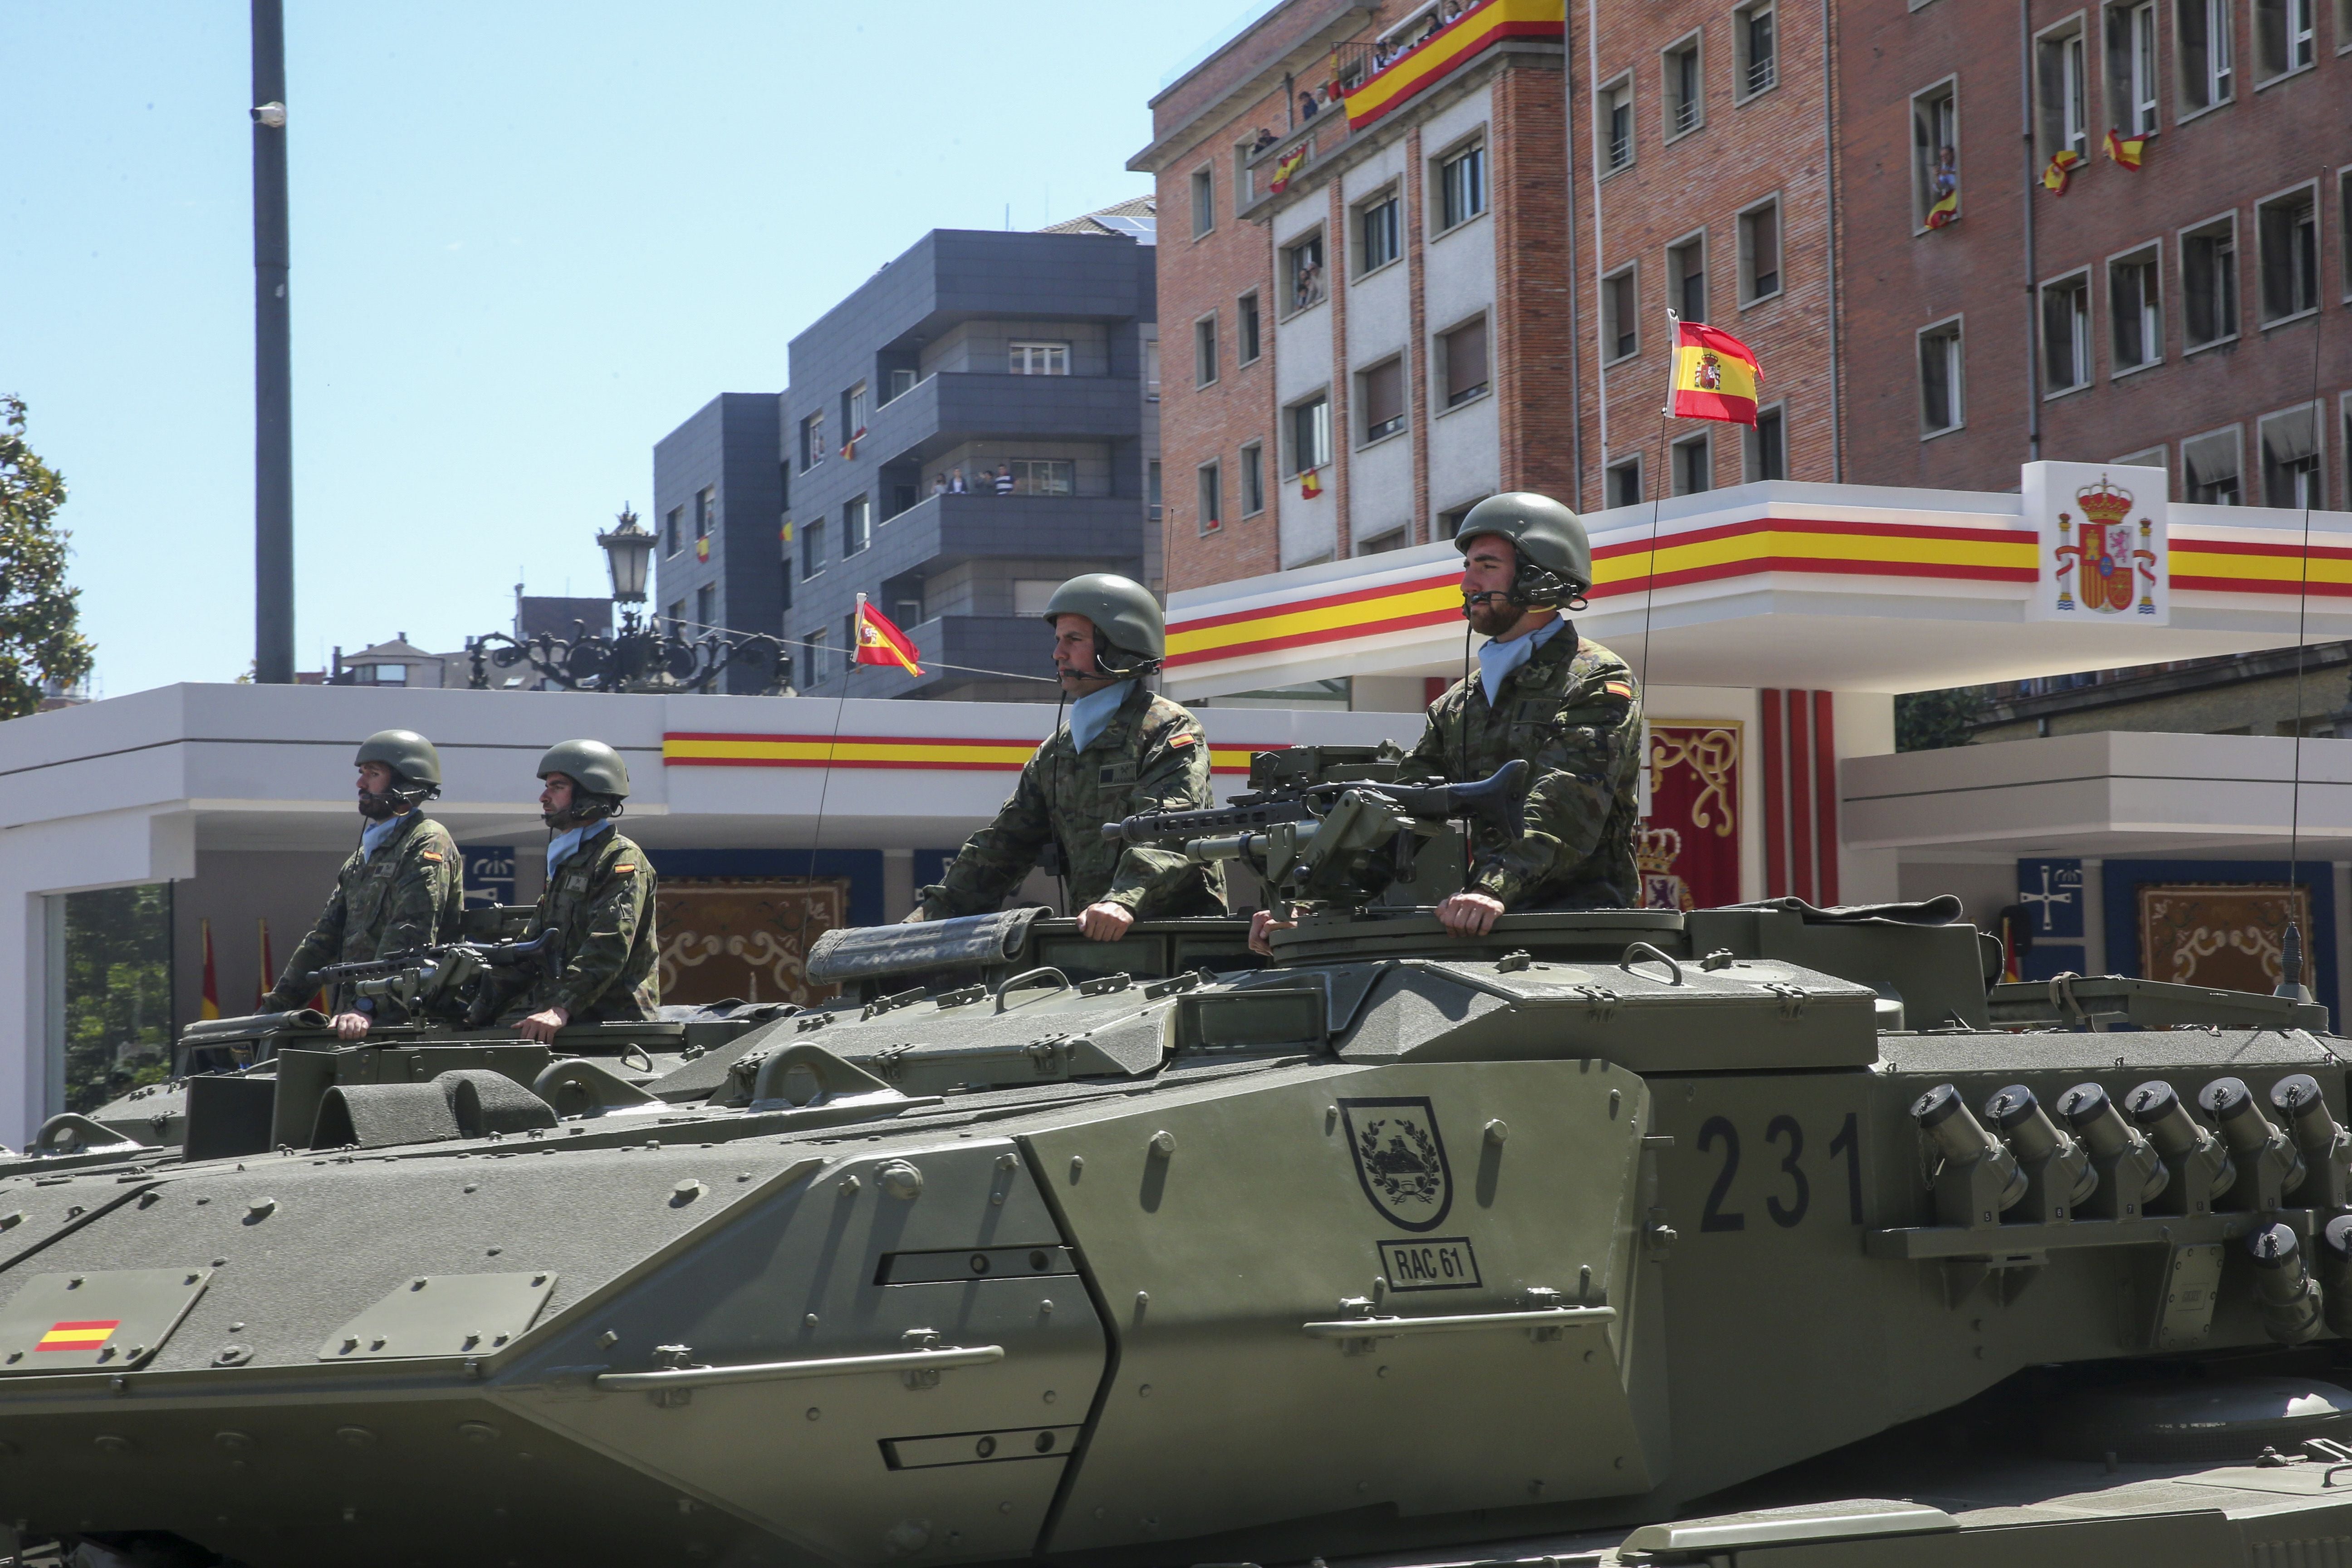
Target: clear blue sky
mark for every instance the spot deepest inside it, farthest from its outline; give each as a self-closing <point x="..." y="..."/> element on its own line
<point x="528" y="240"/>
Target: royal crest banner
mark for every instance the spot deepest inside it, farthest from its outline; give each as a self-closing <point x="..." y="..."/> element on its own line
<point x="2105" y="553"/>
<point x="2227" y="935"/>
<point x="743" y="937"/>
<point x="1688" y="851"/>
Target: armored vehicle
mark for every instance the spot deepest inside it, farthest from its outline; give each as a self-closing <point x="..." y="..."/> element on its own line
<point x="1757" y="1235"/>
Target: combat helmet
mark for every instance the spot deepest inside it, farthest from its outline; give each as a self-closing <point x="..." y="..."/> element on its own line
<point x="596" y="772"/>
<point x="1555" y="555"/>
<point x="416" y="766"/>
<point x="1130" y="636"/>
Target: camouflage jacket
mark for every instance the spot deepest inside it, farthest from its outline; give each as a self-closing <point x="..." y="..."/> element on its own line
<point x="409" y="894"/>
<point x="602" y="899"/>
<point x="1574" y="712"/>
<point x="1152" y="756"/>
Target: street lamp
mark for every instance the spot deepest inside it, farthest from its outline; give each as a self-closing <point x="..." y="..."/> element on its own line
<point x="628" y="552"/>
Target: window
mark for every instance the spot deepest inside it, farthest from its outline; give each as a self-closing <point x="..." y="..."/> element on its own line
<point x="2135" y="312"/>
<point x="1205" y="350"/>
<point x="1039" y="358"/>
<point x="2201" y="40"/>
<point x="1615" y="107"/>
<point x="1942" y="395"/>
<point x="2344" y="192"/>
<point x="2131" y="67"/>
<point x="812" y="441"/>
<point x="678" y="615"/>
<point x="671" y="526"/>
<point x="852" y="411"/>
<point x="1381" y="545"/>
<point x="1379" y="392"/>
<point x="857" y="520"/>
<point x="2066" y="334"/>
<point x="2209" y="282"/>
<point x="1694" y="466"/>
<point x="2286" y="228"/>
<point x="1151" y="488"/>
<point x="1621" y="326"/>
<point x="812" y="547"/>
<point x="1462" y="185"/>
<point x="2209" y="469"/>
<point x="1687" y="277"/>
<point x="2153" y="458"/>
<point x="2283" y="36"/>
<point x="1044" y="477"/>
<point x="1935" y="155"/>
<point x="818" y="655"/>
<point x="1765" y="448"/>
<point x="1152" y="370"/>
<point x="1462" y="356"/>
<point x="1310" y="433"/>
<point x="2293" y="474"/>
<point x="902" y="382"/>
<point x="1212" y="498"/>
<point x="1757" y="66"/>
<point x="1686" y="98"/>
<point x="706" y="511"/>
<point x="1204" y="202"/>
<point x="1302" y="272"/>
<point x="2061" y="112"/>
<point x="1449" y="521"/>
<point x="1625" y="482"/>
<point x="1248" y="347"/>
<point x="1759" y="252"/>
<point x="705" y="608"/>
<point x="1379" y="232"/>
<point x="1252" y="479"/>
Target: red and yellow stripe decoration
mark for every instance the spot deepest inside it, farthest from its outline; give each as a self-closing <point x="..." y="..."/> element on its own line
<point x="1435" y="58"/>
<point x="2258" y="567"/>
<point x="87" y="1334"/>
<point x="706" y="750"/>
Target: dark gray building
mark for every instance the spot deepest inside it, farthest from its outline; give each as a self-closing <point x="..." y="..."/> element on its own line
<point x="973" y="426"/>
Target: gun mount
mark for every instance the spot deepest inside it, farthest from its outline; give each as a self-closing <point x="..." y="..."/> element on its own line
<point x="460" y="980"/>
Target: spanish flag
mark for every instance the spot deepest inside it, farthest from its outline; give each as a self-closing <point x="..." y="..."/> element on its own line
<point x="1715" y="376"/>
<point x="209" y="1005"/>
<point x="83" y="1334"/>
<point x="1311" y="484"/>
<point x="1476" y="29"/>
<point x="2061" y="170"/>
<point x="1943" y="212"/>
<point x="2125" y="150"/>
<point x="269" y="970"/>
<point x="881" y="642"/>
<point x="702" y="547"/>
<point x="1289" y="163"/>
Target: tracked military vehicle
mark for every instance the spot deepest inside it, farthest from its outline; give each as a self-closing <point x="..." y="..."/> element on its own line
<point x="1761" y="1236"/>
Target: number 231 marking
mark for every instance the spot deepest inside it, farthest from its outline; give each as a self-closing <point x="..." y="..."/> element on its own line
<point x="1787" y="1137"/>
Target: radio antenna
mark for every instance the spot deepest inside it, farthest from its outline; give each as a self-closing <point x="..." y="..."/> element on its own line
<point x="2290" y="984"/>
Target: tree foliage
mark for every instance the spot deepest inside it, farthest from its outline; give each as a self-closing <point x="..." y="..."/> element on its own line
<point x="1929" y="721"/>
<point x="118" y="1001"/>
<point x="41" y="635"/>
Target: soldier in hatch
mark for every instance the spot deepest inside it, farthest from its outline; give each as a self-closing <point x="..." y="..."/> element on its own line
<point x="599" y="895"/>
<point x="403" y="888"/>
<point x="1124" y="749"/>
<point x="1571" y="708"/>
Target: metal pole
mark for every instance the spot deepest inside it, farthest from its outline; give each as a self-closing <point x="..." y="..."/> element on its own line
<point x="273" y="376"/>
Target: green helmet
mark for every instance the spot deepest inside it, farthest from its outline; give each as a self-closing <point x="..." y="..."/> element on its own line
<point x="405" y="752"/>
<point x="1548" y="536"/>
<point x="591" y="765"/>
<point x="1125" y="615"/>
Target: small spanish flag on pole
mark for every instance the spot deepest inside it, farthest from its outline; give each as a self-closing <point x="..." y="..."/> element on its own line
<point x="881" y="642"/>
<point x="2128" y="151"/>
<point x="208" y="1005"/>
<point x="1715" y="376"/>
<point x="1289" y="163"/>
<point x="1311" y="484"/>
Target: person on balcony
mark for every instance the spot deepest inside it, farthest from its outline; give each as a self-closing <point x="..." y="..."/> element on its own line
<point x="938" y="484"/>
<point x="1004" y="479"/>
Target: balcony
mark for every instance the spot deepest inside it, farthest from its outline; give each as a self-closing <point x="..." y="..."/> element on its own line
<point x="949" y="408"/>
<point x="944" y="530"/>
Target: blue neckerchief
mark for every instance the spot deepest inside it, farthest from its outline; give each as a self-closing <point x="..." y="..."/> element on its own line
<point x="1497" y="659"/>
<point x="560" y="847"/>
<point x="373" y="836"/>
<point x="1089" y="713"/>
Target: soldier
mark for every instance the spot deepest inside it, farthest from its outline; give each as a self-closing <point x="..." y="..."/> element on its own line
<point x="599" y="895"/>
<point x="1570" y="708"/>
<point x="403" y="888"/>
<point x="1125" y="750"/>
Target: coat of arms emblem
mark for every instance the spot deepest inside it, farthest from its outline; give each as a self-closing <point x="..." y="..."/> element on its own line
<point x="2107" y="561"/>
<point x="1400" y="1160"/>
<point x="1709" y="373"/>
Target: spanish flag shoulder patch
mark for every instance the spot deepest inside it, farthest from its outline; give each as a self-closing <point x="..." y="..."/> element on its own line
<point x="1178" y="743"/>
<point x="1623" y="689"/>
<point x="432" y="855"/>
<point x="624" y="868"/>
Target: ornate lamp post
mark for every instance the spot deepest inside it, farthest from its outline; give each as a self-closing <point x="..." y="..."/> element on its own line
<point x="637" y="657"/>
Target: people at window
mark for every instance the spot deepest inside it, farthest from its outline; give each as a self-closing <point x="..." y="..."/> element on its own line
<point x="1266" y="139"/>
<point x="1307" y="106"/>
<point x="1004" y="479"/>
<point x="938" y="484"/>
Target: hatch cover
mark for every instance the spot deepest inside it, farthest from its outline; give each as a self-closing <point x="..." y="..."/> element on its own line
<point x="444" y="1315"/>
<point x="113" y="1319"/>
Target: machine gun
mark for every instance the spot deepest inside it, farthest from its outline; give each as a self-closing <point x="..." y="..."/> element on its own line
<point x="436" y="980"/>
<point x="1317" y="838"/>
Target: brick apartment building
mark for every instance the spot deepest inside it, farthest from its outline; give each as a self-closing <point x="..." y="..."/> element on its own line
<point x="1553" y="179"/>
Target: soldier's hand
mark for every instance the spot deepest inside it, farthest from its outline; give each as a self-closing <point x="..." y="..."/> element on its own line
<point x="350" y="1026"/>
<point x="1469" y="914"/>
<point x="1263" y="925"/>
<point x="542" y="1026"/>
<point x="1105" y="921"/>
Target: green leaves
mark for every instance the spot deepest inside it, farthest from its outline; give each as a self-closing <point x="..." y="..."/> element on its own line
<point x="40" y="639"/>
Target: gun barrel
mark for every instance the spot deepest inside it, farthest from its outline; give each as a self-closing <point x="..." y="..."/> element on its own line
<point x="1154" y="826"/>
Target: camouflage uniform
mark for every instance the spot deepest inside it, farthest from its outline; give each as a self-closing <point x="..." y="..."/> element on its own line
<point x="408" y="894"/>
<point x="1574" y="712"/>
<point x="1150" y="756"/>
<point x="602" y="899"/>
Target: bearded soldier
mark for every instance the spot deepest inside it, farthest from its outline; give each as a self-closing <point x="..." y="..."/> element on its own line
<point x="600" y="896"/>
<point x="402" y="889"/>
<point x="1124" y="749"/>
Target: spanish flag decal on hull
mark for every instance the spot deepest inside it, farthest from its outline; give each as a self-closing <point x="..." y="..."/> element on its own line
<point x="85" y="1335"/>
